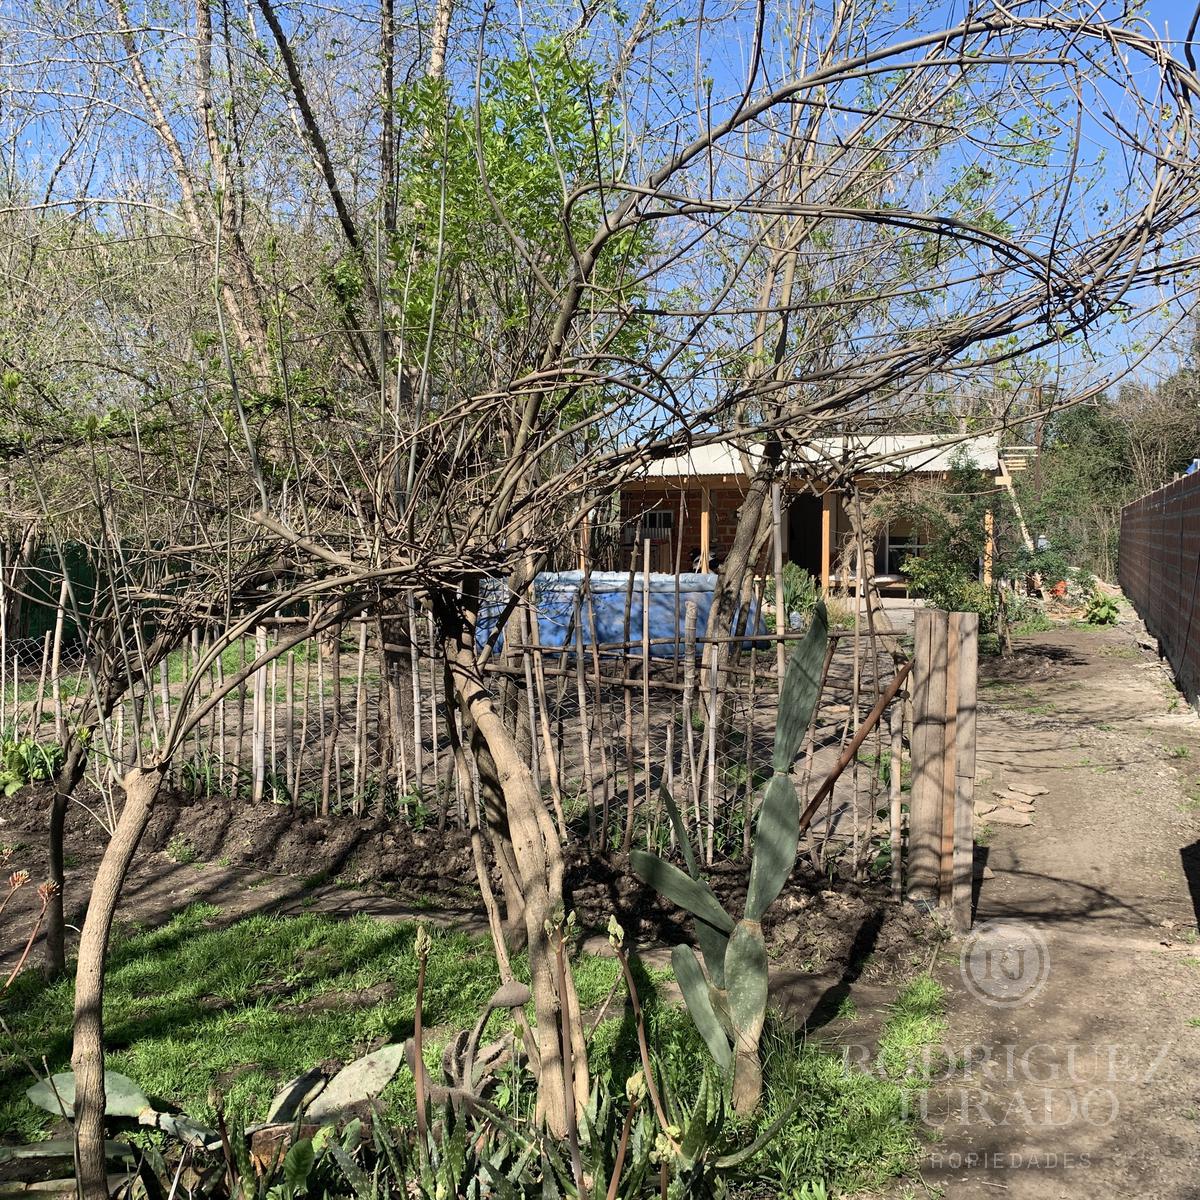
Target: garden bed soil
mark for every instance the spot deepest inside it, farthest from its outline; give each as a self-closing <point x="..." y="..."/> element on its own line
<point x="255" y="858"/>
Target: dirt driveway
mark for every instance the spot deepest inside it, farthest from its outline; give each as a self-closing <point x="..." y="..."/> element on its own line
<point x="1073" y="1066"/>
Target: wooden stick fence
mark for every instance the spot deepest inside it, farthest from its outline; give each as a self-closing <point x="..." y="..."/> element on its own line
<point x="364" y="728"/>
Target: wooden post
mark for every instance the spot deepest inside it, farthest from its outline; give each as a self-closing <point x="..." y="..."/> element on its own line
<point x="826" y="536"/>
<point x="942" y="821"/>
<point x="705" y="528"/>
<point x="359" y="767"/>
<point x="36" y="719"/>
<point x="433" y="706"/>
<point x="962" y="886"/>
<point x="258" y="722"/>
<point x="543" y="726"/>
<point x="929" y="716"/>
<point x="689" y="690"/>
<point x="298" y="778"/>
<point x="646" y="668"/>
<point x="273" y="720"/>
<point x="56" y="662"/>
<point x="289" y="724"/>
<point x="895" y="781"/>
<point x="414" y="659"/>
<point x="239" y="770"/>
<point x="585" y="726"/>
<point x="989" y="546"/>
<point x="949" y="757"/>
<point x="781" y="617"/>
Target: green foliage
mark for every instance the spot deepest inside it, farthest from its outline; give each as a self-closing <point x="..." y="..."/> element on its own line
<point x="801" y="593"/>
<point x="1102" y="609"/>
<point x="945" y="581"/>
<point x="25" y="760"/>
<point x="542" y="127"/>
<point x="1096" y="458"/>
<point x="181" y="851"/>
<point x="953" y="518"/>
<point x="732" y="1007"/>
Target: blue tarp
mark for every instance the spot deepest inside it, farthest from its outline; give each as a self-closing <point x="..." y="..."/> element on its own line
<point x="555" y="594"/>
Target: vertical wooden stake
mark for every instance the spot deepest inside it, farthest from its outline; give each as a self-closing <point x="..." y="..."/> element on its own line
<point x="646" y="785"/>
<point x="302" y="743"/>
<point x="359" y="768"/>
<point x="36" y="717"/>
<point x="434" y="691"/>
<point x="895" y="782"/>
<point x="415" y="680"/>
<point x="543" y="728"/>
<point x="585" y="725"/>
<point x="964" y="804"/>
<point x="289" y="723"/>
<point x="272" y="720"/>
<point x="56" y="662"/>
<point x="258" y="723"/>
<point x="219" y="686"/>
<point x="781" y="617"/>
<point x="326" y="745"/>
<point x="689" y="690"/>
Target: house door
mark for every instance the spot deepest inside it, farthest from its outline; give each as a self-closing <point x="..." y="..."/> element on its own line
<point x="804" y="533"/>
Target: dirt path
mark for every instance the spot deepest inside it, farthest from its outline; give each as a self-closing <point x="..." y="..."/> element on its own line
<point x="1081" y="1076"/>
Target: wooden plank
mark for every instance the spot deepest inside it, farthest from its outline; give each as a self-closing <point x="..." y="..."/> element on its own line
<point x="929" y="716"/>
<point x="949" y="750"/>
<point x="705" y="528"/>
<point x="964" y="791"/>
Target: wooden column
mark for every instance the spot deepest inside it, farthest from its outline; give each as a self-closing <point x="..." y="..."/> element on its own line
<point x="705" y="527"/>
<point x="826" y="537"/>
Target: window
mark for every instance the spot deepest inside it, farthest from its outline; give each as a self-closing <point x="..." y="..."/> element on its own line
<point x="657" y="524"/>
<point x="902" y="541"/>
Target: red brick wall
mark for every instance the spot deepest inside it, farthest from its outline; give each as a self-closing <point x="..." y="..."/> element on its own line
<point x="724" y="500"/>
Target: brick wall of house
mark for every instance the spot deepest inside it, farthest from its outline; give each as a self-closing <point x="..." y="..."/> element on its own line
<point x="724" y="501"/>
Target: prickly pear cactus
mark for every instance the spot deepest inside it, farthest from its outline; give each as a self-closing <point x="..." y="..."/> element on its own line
<point x="727" y="998"/>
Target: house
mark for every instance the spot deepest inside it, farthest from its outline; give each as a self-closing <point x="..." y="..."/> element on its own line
<point x="687" y="506"/>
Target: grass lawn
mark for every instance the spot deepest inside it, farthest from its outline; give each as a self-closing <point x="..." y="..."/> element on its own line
<point x="199" y="1013"/>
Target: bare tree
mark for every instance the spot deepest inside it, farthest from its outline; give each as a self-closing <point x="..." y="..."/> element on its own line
<point x="402" y="338"/>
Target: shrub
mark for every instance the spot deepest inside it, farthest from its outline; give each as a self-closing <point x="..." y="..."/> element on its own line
<point x="1101" y="609"/>
<point x="945" y="582"/>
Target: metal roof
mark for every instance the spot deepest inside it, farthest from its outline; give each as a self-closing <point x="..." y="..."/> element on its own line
<point x="905" y="453"/>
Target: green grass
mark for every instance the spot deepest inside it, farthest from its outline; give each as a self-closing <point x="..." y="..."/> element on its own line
<point x="1037" y="623"/>
<point x="181" y="851"/>
<point x="916" y="1023"/>
<point x="195" y="1010"/>
<point x="852" y="1130"/>
<point x="190" y="1006"/>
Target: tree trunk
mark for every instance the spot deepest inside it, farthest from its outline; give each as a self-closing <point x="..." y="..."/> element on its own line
<point x="492" y="797"/>
<point x="539" y="861"/>
<point x="141" y="788"/>
<point x="64" y="787"/>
